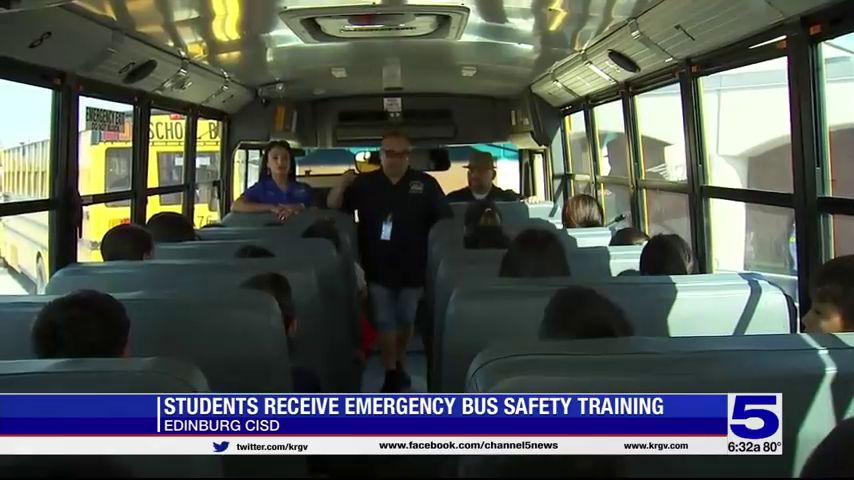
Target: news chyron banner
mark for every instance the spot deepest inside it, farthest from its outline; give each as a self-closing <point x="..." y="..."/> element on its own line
<point x="406" y="424"/>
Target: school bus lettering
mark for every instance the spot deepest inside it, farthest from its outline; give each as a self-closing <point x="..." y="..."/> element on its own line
<point x="171" y="131"/>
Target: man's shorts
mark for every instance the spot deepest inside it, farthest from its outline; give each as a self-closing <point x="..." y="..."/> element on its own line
<point x="393" y="307"/>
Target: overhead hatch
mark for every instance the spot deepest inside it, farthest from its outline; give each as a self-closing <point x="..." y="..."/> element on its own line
<point x="370" y="22"/>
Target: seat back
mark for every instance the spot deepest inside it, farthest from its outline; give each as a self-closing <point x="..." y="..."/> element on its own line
<point x="690" y="305"/>
<point x="511" y="212"/>
<point x="477" y="267"/>
<point x="235" y="337"/>
<point x="798" y="366"/>
<point x="325" y="333"/>
<point x="589" y="237"/>
<point x="119" y="375"/>
<point x="294" y="225"/>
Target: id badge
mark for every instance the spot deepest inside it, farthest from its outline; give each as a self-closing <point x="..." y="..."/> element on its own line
<point x="385" y="232"/>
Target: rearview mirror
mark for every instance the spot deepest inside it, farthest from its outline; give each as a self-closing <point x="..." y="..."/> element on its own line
<point x="432" y="160"/>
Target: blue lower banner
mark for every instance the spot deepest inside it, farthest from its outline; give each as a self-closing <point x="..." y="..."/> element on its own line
<point x="556" y="424"/>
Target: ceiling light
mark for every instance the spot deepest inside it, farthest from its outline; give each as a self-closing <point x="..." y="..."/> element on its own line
<point x="339" y="72"/>
<point x="469" y="71"/>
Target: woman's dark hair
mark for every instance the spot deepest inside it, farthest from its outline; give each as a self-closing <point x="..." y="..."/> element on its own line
<point x="629" y="236"/>
<point x="582" y="211"/>
<point x="581" y="312"/>
<point x="486" y="237"/>
<point x="264" y="172"/>
<point x="534" y="253"/>
<point x="667" y="255"/>
<point x="481" y="212"/>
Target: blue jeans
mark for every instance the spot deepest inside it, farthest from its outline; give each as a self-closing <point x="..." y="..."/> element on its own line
<point x="393" y="307"/>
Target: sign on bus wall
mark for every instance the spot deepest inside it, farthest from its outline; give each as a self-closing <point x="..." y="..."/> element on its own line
<point x="104" y="120"/>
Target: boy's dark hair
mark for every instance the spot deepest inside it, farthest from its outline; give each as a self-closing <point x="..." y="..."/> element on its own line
<point x="832" y="457"/>
<point x="481" y="212"/>
<point x="278" y="286"/>
<point x="126" y="242"/>
<point x="581" y="312"/>
<point x="534" y="253"/>
<point x="253" y="251"/>
<point x="667" y="255"/>
<point x="834" y="284"/>
<point x="83" y="324"/>
<point x="484" y="237"/>
<point x="582" y="211"/>
<point x="171" y="227"/>
<point x="629" y="236"/>
<point x="215" y="225"/>
<point x="324" y="228"/>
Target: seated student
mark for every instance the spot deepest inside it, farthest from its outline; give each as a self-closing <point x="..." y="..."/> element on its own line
<point x="581" y="312"/>
<point x="832" y="457"/>
<point x="127" y="242"/>
<point x="483" y="230"/>
<point x="667" y="255"/>
<point x="485" y="237"/>
<point x="582" y="211"/>
<point x="277" y="286"/>
<point x="253" y="251"/>
<point x="832" y="308"/>
<point x="171" y="227"/>
<point x="325" y="228"/>
<point x="83" y="324"/>
<point x="534" y="253"/>
<point x="276" y="191"/>
<point x="628" y="236"/>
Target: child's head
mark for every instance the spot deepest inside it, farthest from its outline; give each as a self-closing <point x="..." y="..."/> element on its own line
<point x="126" y="242"/>
<point x="324" y="228"/>
<point x="84" y="324"/>
<point x="582" y="211"/>
<point x="481" y="212"/>
<point x="279" y="288"/>
<point x="581" y="312"/>
<point x="667" y="255"/>
<point x="534" y="253"/>
<point x="833" y="297"/>
<point x="629" y="236"/>
<point x="171" y="227"/>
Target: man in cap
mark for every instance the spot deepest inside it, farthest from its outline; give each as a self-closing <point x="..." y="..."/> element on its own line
<point x="481" y="174"/>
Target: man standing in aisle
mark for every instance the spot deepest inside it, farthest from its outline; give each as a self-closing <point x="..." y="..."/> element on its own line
<point x="397" y="206"/>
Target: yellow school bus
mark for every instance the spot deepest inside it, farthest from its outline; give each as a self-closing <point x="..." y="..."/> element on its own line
<point x="104" y="166"/>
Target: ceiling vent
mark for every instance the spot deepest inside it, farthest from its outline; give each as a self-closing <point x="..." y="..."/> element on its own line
<point x="377" y="22"/>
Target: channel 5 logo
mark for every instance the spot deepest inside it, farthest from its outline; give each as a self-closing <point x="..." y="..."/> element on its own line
<point x="755" y="416"/>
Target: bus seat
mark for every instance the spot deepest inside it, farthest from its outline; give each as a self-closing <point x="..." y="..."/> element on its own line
<point x="121" y="375"/>
<point x="227" y="335"/>
<point x="472" y="267"/>
<point x="587" y="237"/>
<point x="546" y="211"/>
<point x="511" y="212"/>
<point x="660" y="306"/>
<point x="297" y="224"/>
<point x="322" y="341"/>
<point x="815" y="374"/>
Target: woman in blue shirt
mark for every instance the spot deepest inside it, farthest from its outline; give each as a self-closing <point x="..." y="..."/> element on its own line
<point x="275" y="192"/>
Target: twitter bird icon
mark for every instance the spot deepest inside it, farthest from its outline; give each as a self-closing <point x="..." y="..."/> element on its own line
<point x="220" y="447"/>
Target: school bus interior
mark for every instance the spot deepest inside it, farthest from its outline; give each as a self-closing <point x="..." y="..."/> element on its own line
<point x="727" y="122"/>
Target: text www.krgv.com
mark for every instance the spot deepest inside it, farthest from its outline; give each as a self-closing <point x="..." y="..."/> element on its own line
<point x="655" y="446"/>
<point x="484" y="445"/>
<point x="282" y="447"/>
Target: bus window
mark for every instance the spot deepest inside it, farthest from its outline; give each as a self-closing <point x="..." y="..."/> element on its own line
<point x="167" y="202"/>
<point x="25" y="174"/>
<point x="247" y="167"/>
<point x="838" y="62"/>
<point x="579" y="147"/>
<point x="755" y="237"/>
<point x="659" y="115"/>
<point x="166" y="149"/>
<point x="747" y="134"/>
<point x="667" y="212"/>
<point x="611" y="135"/>
<point x="616" y="205"/>
<point x="208" y="135"/>
<point x="842" y="236"/>
<point x="97" y="219"/>
<point x="104" y="146"/>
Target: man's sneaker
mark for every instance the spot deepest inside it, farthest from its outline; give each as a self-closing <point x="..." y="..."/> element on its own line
<point x="392" y="382"/>
<point x="405" y="379"/>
